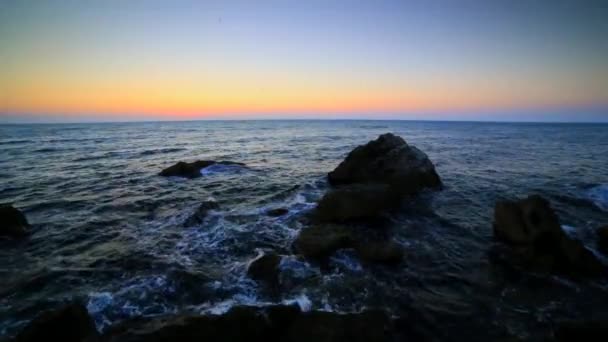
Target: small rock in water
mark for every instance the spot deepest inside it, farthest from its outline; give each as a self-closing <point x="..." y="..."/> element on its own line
<point x="319" y="242"/>
<point x="265" y="268"/>
<point x="201" y="212"/>
<point x="538" y="242"/>
<point x="12" y="222"/>
<point x="192" y="170"/>
<point x="71" y="323"/>
<point x="277" y="212"/>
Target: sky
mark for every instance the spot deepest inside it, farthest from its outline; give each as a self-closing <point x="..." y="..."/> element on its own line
<point x="112" y="60"/>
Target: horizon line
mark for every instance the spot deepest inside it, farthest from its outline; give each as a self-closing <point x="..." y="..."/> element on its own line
<point x="506" y="121"/>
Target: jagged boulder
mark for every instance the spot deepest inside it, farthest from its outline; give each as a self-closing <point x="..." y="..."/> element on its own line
<point x="538" y="242"/>
<point x="387" y="160"/>
<point x="70" y="323"/>
<point x="12" y="222"/>
<point x="265" y="268"/>
<point x="201" y="212"/>
<point x="356" y="203"/>
<point x="193" y="169"/>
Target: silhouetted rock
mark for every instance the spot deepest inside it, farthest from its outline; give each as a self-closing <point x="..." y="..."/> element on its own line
<point x="356" y="203"/>
<point x="318" y="242"/>
<point x="538" y="242"/>
<point x="277" y="212"/>
<point x="588" y="331"/>
<point x="265" y="268"/>
<point x="321" y="241"/>
<point x="201" y="212"/>
<point x="274" y="323"/>
<point x="12" y="222"/>
<point x="193" y="170"/>
<point x="388" y="160"/>
<point x="70" y="323"/>
<point x="602" y="236"/>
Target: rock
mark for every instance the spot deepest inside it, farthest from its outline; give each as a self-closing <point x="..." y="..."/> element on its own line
<point x="265" y="268"/>
<point x="385" y="252"/>
<point x="277" y="212"/>
<point x="594" y="330"/>
<point x="388" y="160"/>
<point x="538" y="242"/>
<point x="274" y="323"/>
<point x="70" y="323"/>
<point x="319" y="242"/>
<point x="355" y="203"/>
<point x="201" y="212"/>
<point x="12" y="222"/>
<point x="602" y="241"/>
<point x="192" y="170"/>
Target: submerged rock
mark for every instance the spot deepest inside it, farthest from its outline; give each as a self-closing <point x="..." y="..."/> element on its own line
<point x="70" y="323"/>
<point x="388" y="160"/>
<point x="277" y="212"/>
<point x="265" y="268"/>
<point x="201" y="212"/>
<point x="355" y="203"/>
<point x="538" y="242"/>
<point x="192" y="170"/>
<point x="12" y="222"/>
<point x="273" y="323"/>
<point x="602" y="238"/>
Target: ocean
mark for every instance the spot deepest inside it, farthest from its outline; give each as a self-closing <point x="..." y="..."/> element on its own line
<point x="108" y="230"/>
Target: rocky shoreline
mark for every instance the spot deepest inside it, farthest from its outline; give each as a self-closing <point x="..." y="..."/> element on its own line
<point x="366" y="188"/>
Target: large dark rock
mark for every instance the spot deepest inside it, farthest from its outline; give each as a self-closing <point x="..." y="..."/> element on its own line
<point x="70" y="323"/>
<point x="274" y="323"/>
<point x="388" y="160"/>
<point x="201" y="212"/>
<point x="538" y="242"/>
<point x="319" y="242"/>
<point x="356" y="203"/>
<point x="602" y="238"/>
<point x="265" y="268"/>
<point x="193" y="170"/>
<point x="12" y="222"/>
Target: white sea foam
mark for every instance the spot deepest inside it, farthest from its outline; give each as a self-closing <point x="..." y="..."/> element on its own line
<point x="599" y="196"/>
<point x="302" y="300"/>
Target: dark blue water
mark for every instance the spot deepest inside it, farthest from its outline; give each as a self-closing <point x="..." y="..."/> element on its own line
<point x="108" y="230"/>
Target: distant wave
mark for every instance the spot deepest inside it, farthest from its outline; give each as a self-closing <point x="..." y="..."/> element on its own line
<point x="161" y="151"/>
<point x="599" y="196"/>
<point x="14" y="142"/>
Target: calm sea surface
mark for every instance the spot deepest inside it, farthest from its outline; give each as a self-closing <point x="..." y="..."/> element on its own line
<point x="108" y="230"/>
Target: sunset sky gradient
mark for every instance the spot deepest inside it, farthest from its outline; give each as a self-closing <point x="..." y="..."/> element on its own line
<point x="129" y="60"/>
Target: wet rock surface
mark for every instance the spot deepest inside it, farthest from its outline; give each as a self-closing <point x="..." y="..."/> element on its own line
<point x="12" y="222"/>
<point x="70" y="323"/>
<point x="265" y="268"/>
<point x="273" y="323"/>
<point x="193" y="169"/>
<point x="537" y="241"/>
<point x="602" y="238"/>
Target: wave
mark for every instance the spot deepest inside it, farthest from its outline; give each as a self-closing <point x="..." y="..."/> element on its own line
<point x="599" y="196"/>
<point x="161" y="151"/>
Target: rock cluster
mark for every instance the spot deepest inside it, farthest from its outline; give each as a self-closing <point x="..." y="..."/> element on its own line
<point x="370" y="183"/>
